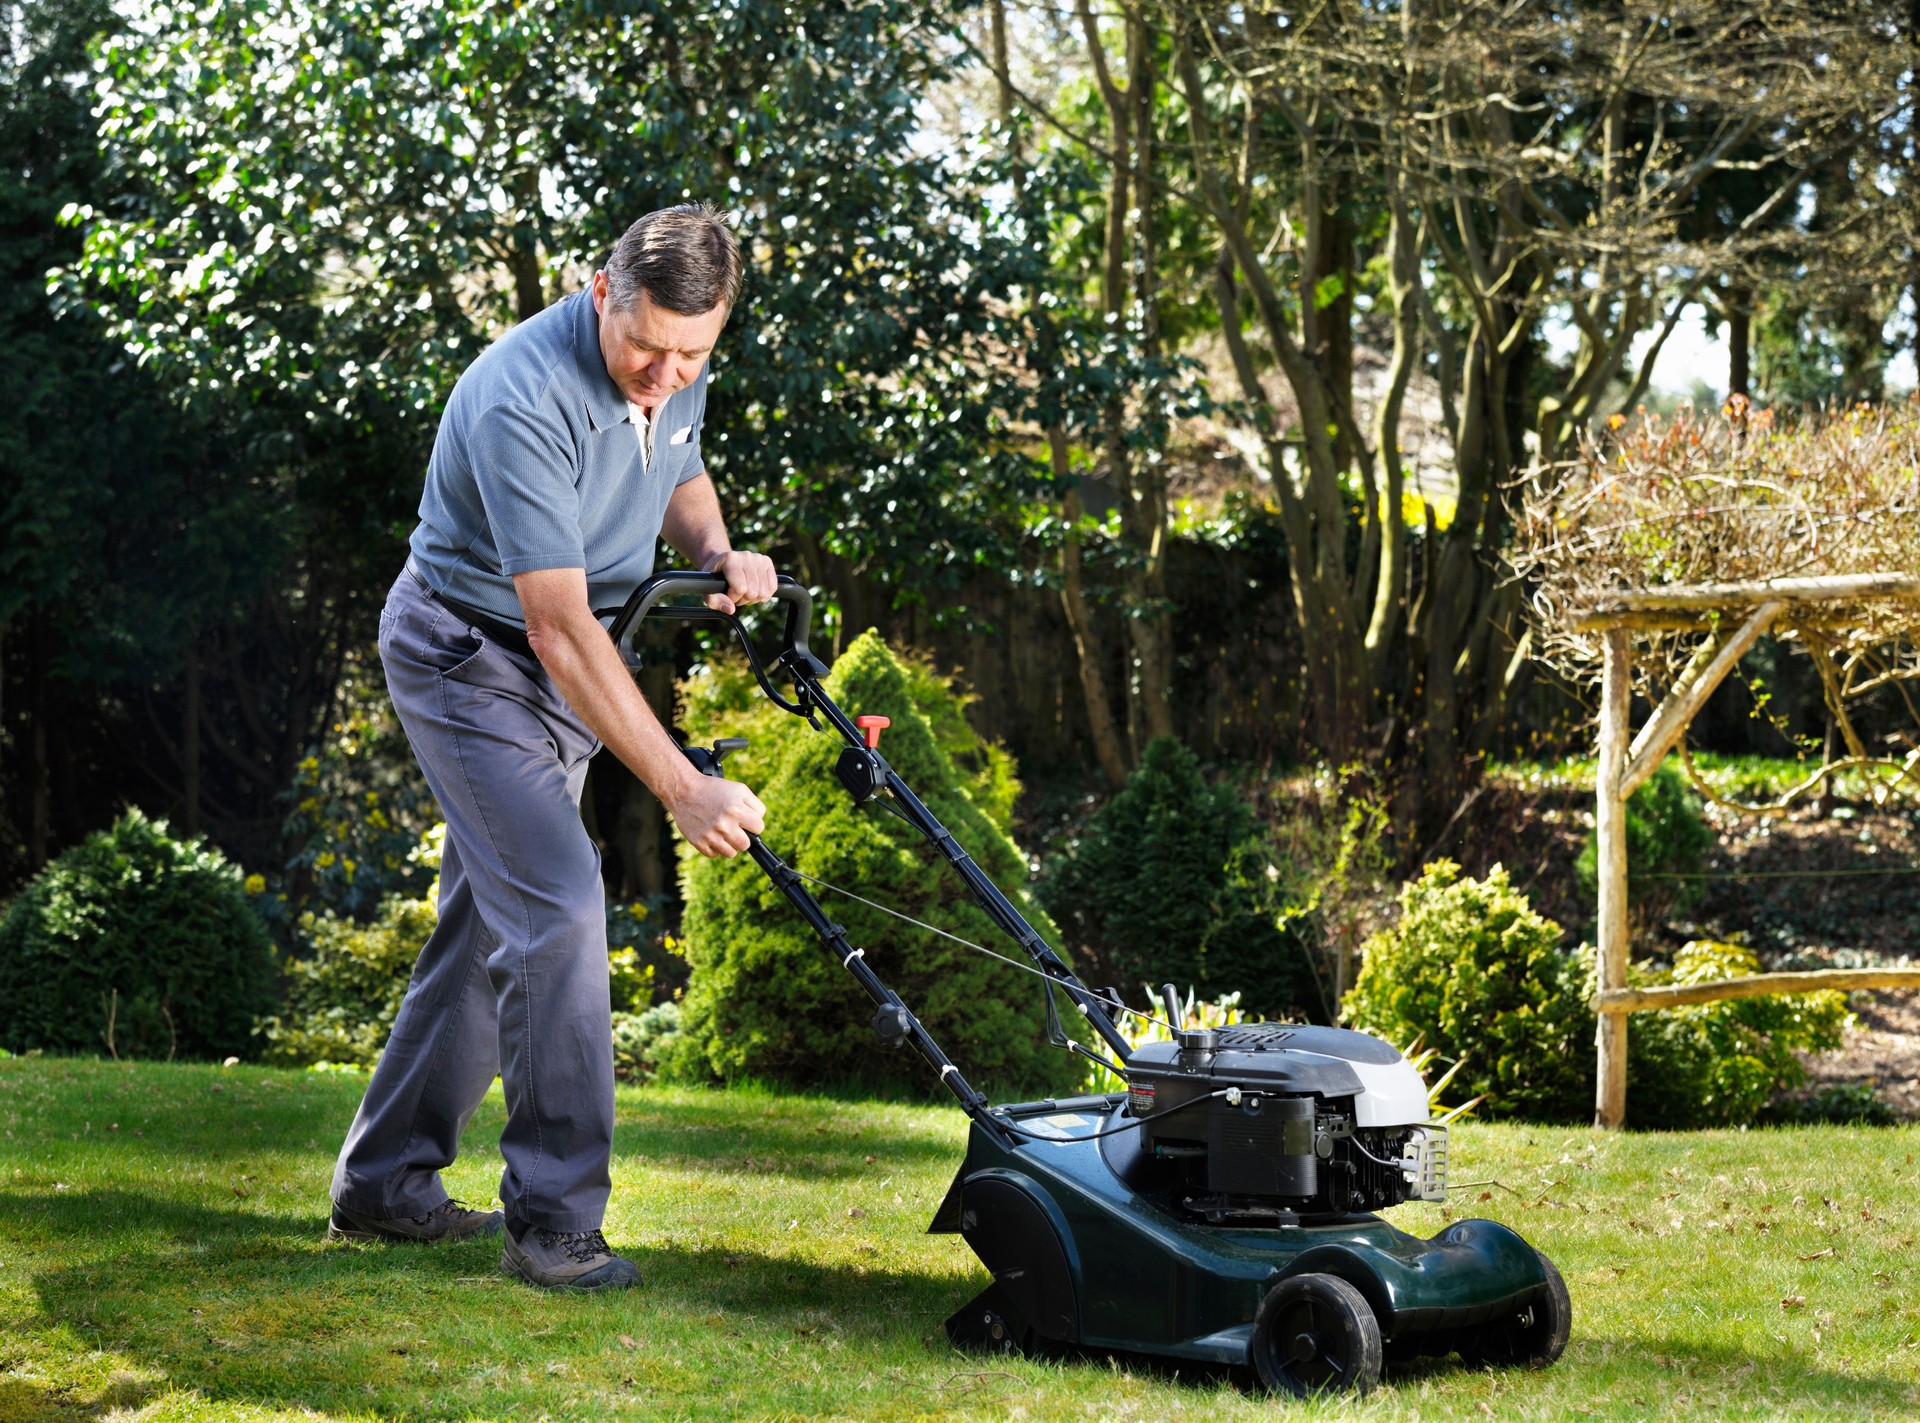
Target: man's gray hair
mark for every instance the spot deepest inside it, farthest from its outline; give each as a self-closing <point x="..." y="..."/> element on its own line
<point x="684" y="258"/>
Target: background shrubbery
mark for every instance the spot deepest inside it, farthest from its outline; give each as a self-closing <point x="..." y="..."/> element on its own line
<point x="1471" y="971"/>
<point x="1169" y="882"/>
<point x="1667" y="840"/>
<point x="137" y="944"/>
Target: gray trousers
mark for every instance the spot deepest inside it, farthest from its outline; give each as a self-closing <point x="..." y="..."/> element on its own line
<point x="513" y="980"/>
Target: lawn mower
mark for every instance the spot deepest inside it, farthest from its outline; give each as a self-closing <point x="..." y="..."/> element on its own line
<point x="1220" y="1209"/>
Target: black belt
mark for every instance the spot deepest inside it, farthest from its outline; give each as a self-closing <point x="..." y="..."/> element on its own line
<point x="505" y="633"/>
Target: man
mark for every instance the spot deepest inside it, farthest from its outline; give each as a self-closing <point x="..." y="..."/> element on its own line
<point x="565" y="451"/>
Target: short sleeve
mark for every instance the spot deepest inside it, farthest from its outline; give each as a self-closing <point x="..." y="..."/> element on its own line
<point x="524" y="467"/>
<point x="694" y="466"/>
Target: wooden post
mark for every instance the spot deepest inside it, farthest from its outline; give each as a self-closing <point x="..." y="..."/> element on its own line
<point x="1610" y="831"/>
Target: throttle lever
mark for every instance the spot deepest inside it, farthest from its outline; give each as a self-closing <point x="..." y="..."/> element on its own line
<point x="709" y="761"/>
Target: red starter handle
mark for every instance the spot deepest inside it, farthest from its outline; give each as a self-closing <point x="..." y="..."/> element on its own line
<point x="873" y="726"/>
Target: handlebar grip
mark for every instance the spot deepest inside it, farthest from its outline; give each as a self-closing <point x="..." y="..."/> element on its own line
<point x="787" y="590"/>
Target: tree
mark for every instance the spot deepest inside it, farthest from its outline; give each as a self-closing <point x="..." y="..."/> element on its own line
<point x="1542" y="165"/>
<point x="332" y="207"/>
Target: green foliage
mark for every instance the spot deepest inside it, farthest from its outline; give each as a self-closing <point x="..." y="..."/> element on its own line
<point x="344" y="990"/>
<point x="641" y="1041"/>
<point x="345" y="198"/>
<point x="1719" y="1064"/>
<point x="765" y="999"/>
<point x="1666" y="835"/>
<point x="137" y="944"/>
<point x="1168" y="883"/>
<point x="343" y="994"/>
<point x="649" y="965"/>
<point x="360" y="807"/>
<point x="1843" y="1104"/>
<point x="1472" y="972"/>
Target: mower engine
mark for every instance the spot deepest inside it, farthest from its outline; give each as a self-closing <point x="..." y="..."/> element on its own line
<point x="1268" y="1122"/>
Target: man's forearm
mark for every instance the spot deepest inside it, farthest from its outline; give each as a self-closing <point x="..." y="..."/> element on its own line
<point x="584" y="664"/>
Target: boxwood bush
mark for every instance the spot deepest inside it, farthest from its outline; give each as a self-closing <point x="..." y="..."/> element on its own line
<point x="135" y="943"/>
<point x="765" y="999"/>
<point x="1471" y="971"/>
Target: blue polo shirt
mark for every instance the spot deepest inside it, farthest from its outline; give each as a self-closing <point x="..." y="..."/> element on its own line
<point x="538" y="464"/>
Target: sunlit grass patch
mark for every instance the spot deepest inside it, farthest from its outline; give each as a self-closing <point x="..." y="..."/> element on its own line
<point x="172" y="1268"/>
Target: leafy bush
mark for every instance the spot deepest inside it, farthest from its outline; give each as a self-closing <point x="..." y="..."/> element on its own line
<point x="1847" y="1104"/>
<point x="642" y="1040"/>
<point x="1168" y="883"/>
<point x="765" y="999"/>
<point x="138" y="944"/>
<point x="360" y="805"/>
<point x="1473" y="973"/>
<point x="1719" y="1064"/>
<point x="344" y="991"/>
<point x="1666" y="835"/>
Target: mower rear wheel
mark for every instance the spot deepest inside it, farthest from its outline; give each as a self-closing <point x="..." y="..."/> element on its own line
<point x="1530" y="1338"/>
<point x="1316" y="1333"/>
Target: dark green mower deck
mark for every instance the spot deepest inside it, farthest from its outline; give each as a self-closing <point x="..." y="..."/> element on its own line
<point x="1079" y="1257"/>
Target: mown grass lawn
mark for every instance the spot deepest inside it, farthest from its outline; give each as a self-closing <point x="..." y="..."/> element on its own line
<point x="160" y="1258"/>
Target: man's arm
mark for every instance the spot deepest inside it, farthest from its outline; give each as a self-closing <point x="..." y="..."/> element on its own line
<point x="715" y="815"/>
<point x="693" y="525"/>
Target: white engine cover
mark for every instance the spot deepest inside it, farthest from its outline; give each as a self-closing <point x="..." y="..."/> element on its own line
<point x="1391" y="1095"/>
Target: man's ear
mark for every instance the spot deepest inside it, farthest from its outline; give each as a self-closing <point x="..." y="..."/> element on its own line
<point x="600" y="292"/>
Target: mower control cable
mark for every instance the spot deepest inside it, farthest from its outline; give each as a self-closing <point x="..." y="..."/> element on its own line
<point x="977" y="948"/>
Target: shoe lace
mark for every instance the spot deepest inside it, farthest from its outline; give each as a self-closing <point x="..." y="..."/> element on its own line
<point x="454" y="1209"/>
<point x="582" y="1245"/>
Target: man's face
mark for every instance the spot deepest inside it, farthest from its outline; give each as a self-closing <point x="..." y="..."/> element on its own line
<point x="652" y="352"/>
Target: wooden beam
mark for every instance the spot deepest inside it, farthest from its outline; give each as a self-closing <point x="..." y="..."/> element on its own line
<point x="1718" y="597"/>
<point x="1656" y="620"/>
<point x="1669" y="722"/>
<point x="1759" y="985"/>
<point x="1610" y="830"/>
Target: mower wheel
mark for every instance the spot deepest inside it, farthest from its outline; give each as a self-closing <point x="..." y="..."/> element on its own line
<point x="1531" y="1338"/>
<point x="1316" y="1333"/>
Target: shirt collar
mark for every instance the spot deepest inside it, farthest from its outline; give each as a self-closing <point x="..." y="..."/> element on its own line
<point x="606" y="403"/>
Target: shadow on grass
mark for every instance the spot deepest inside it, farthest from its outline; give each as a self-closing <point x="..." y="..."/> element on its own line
<point x="31" y="1401"/>
<point x="245" y="1307"/>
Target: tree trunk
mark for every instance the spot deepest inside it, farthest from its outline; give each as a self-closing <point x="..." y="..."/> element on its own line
<point x="190" y="739"/>
<point x="1088" y="645"/>
<point x="1739" y="341"/>
<point x="39" y="814"/>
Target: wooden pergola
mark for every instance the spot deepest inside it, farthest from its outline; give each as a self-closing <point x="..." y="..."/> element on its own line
<point x="1736" y="615"/>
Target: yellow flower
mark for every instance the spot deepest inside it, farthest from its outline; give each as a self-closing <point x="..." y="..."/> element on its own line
<point x="325" y="860"/>
<point x="256" y="884"/>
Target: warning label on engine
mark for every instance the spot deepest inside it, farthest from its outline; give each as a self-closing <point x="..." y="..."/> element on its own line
<point x="1140" y="1099"/>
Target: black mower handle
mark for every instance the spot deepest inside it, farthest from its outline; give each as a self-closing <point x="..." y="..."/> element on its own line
<point x="787" y="590"/>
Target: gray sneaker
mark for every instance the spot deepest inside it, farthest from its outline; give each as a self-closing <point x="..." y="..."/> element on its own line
<point x="564" y="1259"/>
<point x="451" y="1221"/>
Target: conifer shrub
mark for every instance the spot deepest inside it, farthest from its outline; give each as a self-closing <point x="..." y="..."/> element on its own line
<point x="765" y="1000"/>
<point x="1167" y="884"/>
<point x="138" y="944"/>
